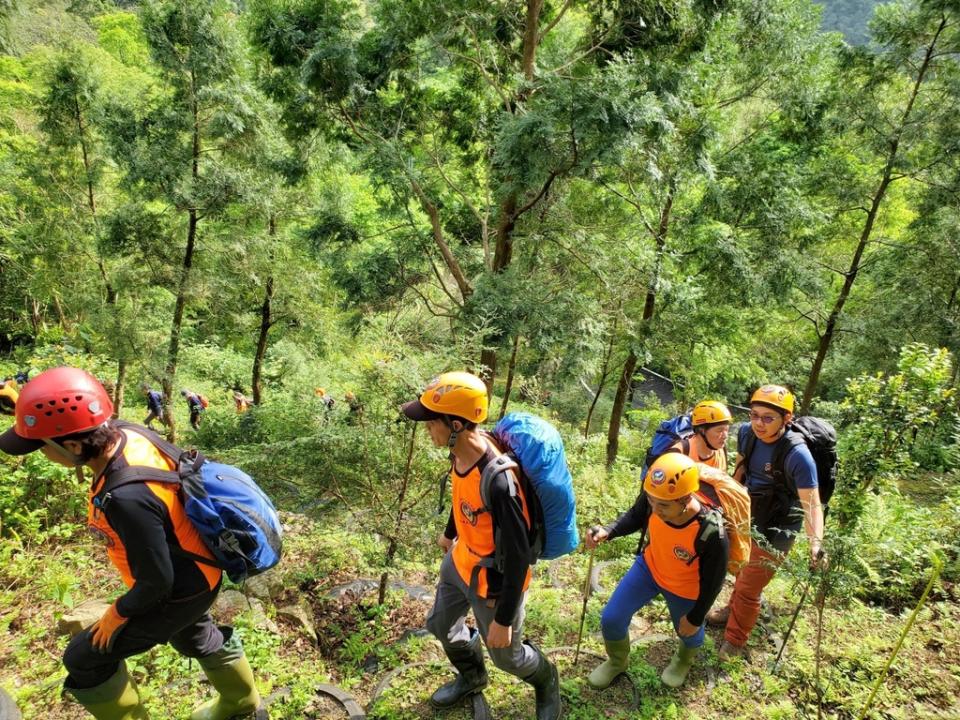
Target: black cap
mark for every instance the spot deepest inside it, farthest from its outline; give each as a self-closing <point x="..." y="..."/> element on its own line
<point x="416" y="410"/>
<point x="13" y="444"/>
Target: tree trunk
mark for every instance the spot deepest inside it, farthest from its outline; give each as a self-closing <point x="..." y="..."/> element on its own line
<point x="118" y="388"/>
<point x="826" y="339"/>
<point x="649" y="307"/>
<point x="619" y="402"/>
<point x="176" y="327"/>
<point x="510" y="368"/>
<point x="81" y="129"/>
<point x="531" y="35"/>
<point x="604" y="371"/>
<point x="266" y="322"/>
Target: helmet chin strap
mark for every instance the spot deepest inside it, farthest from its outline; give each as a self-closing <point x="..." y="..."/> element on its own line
<point x="74" y="460"/>
<point x="454" y="433"/>
<point x="703" y="434"/>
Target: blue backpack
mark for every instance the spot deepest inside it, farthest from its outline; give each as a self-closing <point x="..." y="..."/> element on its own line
<point x="534" y="450"/>
<point x="668" y="434"/>
<point x="234" y="517"/>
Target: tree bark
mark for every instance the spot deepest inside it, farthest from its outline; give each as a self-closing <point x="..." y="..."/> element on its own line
<point x="619" y="402"/>
<point x="176" y="327"/>
<point x="531" y="36"/>
<point x="604" y="371"/>
<point x="510" y="370"/>
<point x="649" y="308"/>
<point x="850" y="277"/>
<point x="430" y="208"/>
<point x="266" y="322"/>
<point x="118" y="387"/>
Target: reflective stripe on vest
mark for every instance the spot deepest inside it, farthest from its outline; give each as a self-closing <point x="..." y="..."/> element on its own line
<point x="475" y="532"/>
<point x="140" y="452"/>
<point x="669" y="554"/>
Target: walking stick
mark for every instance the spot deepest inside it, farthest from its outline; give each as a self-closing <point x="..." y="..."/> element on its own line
<point x="793" y="620"/>
<point x="586" y="597"/>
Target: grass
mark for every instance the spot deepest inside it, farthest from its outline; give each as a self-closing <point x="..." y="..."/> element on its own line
<point x="360" y="643"/>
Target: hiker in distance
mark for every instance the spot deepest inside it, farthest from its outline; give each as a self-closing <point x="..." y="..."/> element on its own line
<point x="452" y="406"/>
<point x="65" y="413"/>
<point x="154" y="405"/>
<point x="685" y="562"/>
<point x="782" y="501"/>
<point x="196" y="404"/>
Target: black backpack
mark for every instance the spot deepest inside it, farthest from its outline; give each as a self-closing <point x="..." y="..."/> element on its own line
<point x="820" y="438"/>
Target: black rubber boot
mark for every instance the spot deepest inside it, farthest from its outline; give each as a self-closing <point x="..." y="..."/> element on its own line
<point x="546" y="684"/>
<point x="472" y="677"/>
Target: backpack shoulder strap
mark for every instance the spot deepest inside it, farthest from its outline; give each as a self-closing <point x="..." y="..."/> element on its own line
<point x="137" y="473"/>
<point x="711" y="525"/>
<point x="685" y="444"/>
<point x="778" y="463"/>
<point x="745" y="453"/>
<point x="502" y="464"/>
<point x="161" y="443"/>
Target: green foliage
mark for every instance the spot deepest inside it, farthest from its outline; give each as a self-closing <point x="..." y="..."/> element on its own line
<point x="38" y="500"/>
<point x="886" y="416"/>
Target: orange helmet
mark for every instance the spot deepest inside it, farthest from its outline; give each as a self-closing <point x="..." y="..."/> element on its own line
<point x="710" y="412"/>
<point x="458" y="394"/>
<point x="672" y="476"/>
<point x="776" y="396"/>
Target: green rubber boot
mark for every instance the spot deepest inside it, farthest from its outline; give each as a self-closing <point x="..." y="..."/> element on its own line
<point x="618" y="657"/>
<point x="676" y="672"/>
<point x="116" y="699"/>
<point x="230" y="674"/>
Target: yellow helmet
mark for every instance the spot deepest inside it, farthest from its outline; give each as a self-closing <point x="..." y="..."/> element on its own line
<point x="459" y="394"/>
<point x="672" y="476"/>
<point x="776" y="396"/>
<point x="710" y="412"/>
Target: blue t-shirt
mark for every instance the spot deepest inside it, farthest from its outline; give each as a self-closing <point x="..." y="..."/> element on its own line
<point x="798" y="465"/>
<point x="775" y="511"/>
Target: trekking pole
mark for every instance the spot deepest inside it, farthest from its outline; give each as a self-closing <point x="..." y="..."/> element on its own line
<point x="793" y="620"/>
<point x="937" y="568"/>
<point x="586" y="597"/>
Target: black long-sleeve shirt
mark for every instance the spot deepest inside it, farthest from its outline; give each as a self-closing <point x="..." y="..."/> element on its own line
<point x="142" y="522"/>
<point x="711" y="548"/>
<point x="513" y="543"/>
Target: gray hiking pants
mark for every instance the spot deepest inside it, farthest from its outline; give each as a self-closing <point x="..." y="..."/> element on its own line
<point x="448" y="622"/>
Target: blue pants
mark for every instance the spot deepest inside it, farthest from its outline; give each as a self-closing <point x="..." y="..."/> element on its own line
<point x="636" y="589"/>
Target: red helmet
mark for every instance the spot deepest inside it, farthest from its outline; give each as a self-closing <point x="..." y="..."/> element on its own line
<point x="58" y="402"/>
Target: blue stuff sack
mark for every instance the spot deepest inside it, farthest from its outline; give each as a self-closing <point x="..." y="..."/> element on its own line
<point x="536" y="446"/>
<point x="668" y="434"/>
<point x="234" y="517"/>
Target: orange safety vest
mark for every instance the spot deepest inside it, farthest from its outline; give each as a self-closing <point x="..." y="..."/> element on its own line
<point x="718" y="460"/>
<point x="669" y="555"/>
<point x="139" y="451"/>
<point x="475" y="531"/>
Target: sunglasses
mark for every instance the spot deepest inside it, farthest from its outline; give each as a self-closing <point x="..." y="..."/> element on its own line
<point x="765" y="419"/>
